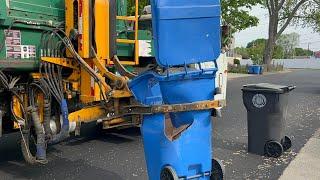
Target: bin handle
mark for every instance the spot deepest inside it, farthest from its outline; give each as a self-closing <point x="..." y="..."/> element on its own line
<point x="290" y="88"/>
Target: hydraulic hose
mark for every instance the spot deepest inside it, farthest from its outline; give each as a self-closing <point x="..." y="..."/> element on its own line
<point x="54" y="84"/>
<point x="46" y="106"/>
<point x="1" y="114"/>
<point x="41" y="142"/>
<point x="66" y="41"/>
<point x="46" y="118"/>
<point x="24" y="125"/>
<point x="121" y="69"/>
<point x="25" y="143"/>
<point x="43" y="131"/>
<point x="64" y="133"/>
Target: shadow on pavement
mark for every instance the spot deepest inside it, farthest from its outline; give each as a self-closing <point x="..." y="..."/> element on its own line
<point x="12" y="162"/>
<point x="58" y="168"/>
<point x="92" y="131"/>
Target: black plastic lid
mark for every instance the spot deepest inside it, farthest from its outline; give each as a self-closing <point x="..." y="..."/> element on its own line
<point x="267" y="87"/>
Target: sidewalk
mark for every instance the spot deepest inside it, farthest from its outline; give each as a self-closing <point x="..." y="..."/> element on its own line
<point x="307" y="163"/>
<point x="238" y="75"/>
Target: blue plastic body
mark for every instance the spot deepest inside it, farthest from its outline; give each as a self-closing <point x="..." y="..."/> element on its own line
<point x="250" y="69"/>
<point x="64" y="133"/>
<point x="181" y="154"/>
<point x="146" y="89"/>
<point x="255" y="69"/>
<point x="261" y="69"/>
<point x="188" y="155"/>
<point x="65" y="114"/>
<point x="41" y="152"/>
<point x="186" y="32"/>
<point x="183" y="88"/>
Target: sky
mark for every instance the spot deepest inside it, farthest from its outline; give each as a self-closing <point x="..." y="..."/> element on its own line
<point x="307" y="36"/>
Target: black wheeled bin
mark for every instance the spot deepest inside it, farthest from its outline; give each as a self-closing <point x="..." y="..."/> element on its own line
<point x="266" y="106"/>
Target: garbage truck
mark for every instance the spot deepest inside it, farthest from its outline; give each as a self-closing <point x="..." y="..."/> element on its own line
<point x="66" y="63"/>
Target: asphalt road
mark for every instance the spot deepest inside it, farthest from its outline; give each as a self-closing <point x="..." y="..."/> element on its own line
<point x="116" y="155"/>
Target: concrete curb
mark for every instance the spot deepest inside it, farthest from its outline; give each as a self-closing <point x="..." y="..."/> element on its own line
<point x="306" y="165"/>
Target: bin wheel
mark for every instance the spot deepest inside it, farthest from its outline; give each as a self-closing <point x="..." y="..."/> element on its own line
<point x="218" y="170"/>
<point x="273" y="149"/>
<point x="286" y="143"/>
<point x="168" y="173"/>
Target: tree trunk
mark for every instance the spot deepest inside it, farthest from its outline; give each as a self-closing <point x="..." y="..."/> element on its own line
<point x="270" y="44"/>
<point x="274" y="7"/>
<point x="268" y="52"/>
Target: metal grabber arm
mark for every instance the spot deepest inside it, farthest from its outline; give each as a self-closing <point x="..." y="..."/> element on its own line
<point x="121" y="88"/>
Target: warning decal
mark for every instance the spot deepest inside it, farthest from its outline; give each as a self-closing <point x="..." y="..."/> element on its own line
<point x="14" y="49"/>
<point x="13" y="37"/>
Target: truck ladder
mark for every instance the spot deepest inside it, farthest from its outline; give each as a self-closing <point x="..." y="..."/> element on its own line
<point x="135" y="19"/>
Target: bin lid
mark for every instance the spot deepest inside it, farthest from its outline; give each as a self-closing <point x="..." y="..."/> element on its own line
<point x="267" y="87"/>
<point x="186" y="32"/>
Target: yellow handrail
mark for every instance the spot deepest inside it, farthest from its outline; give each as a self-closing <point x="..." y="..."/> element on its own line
<point x="135" y="19"/>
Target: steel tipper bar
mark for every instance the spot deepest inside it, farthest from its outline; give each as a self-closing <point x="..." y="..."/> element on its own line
<point x="149" y="110"/>
<point x="196" y="106"/>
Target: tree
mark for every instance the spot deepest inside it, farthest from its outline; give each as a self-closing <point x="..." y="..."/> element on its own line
<point x="243" y="52"/>
<point x="303" y="52"/>
<point x="236" y="13"/>
<point x="278" y="52"/>
<point x="312" y="17"/>
<point x="256" y="48"/>
<point x="289" y="42"/>
<point x="131" y="6"/>
<point x="282" y="13"/>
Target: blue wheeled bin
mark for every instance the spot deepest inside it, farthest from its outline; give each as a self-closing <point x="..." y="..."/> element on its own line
<point x="250" y="69"/>
<point x="261" y="69"/>
<point x="255" y="69"/>
<point x="179" y="154"/>
<point x="178" y="145"/>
